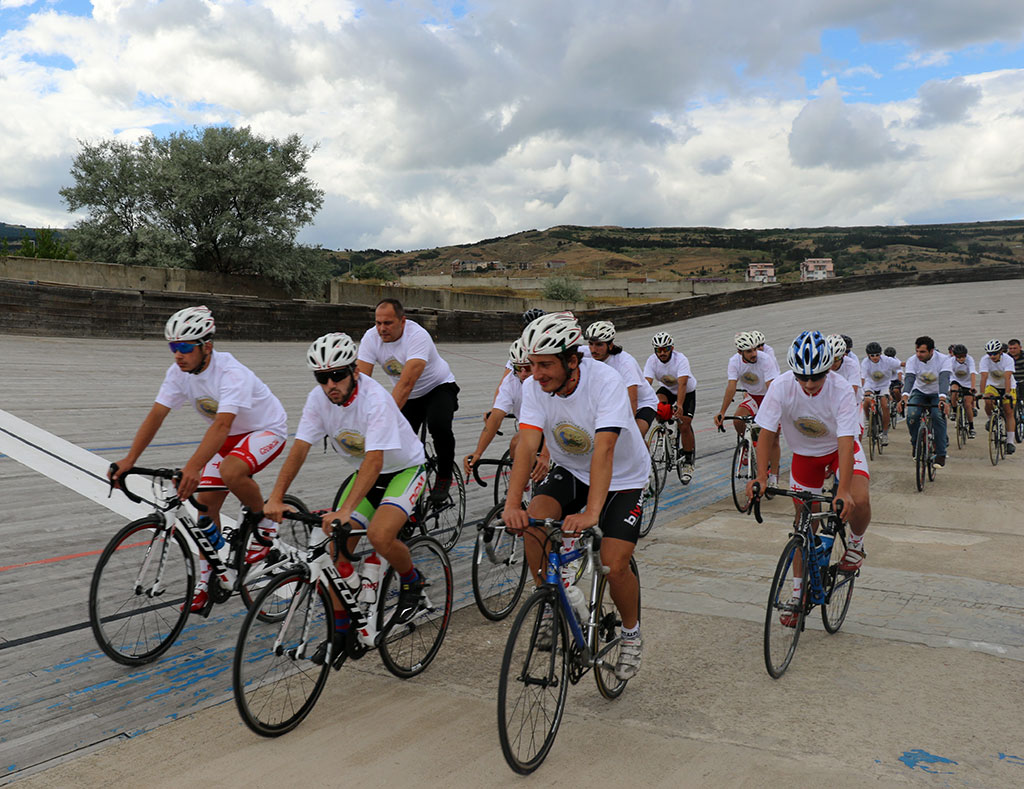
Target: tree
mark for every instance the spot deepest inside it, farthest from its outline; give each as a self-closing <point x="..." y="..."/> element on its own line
<point x="46" y="244"/>
<point x="216" y="199"/>
<point x="562" y="289"/>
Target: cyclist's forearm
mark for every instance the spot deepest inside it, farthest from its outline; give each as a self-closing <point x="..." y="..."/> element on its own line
<point x="600" y="476"/>
<point x="730" y="392"/>
<point x="290" y="469"/>
<point x="522" y="464"/>
<point x="845" y="458"/>
<point x="147" y="431"/>
<point x="489" y="432"/>
<point x="767" y="442"/>
<point x="631" y="391"/>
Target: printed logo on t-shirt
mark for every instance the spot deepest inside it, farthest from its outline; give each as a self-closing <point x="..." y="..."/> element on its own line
<point x="750" y="378"/>
<point x="929" y="377"/>
<point x="207" y="405"/>
<point x="668" y="379"/>
<point x="573" y="439"/>
<point x="810" y="426"/>
<point x="393" y="367"/>
<point x="352" y="442"/>
<point x="878" y="375"/>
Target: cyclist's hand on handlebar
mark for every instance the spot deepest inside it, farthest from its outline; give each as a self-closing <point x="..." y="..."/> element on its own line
<point x="328" y="519"/>
<point x="761" y="482"/>
<point x="117" y="469"/>
<point x="848" y="505"/>
<point x="467" y="465"/>
<point x="275" y="508"/>
<point x="575" y="524"/>
<point x="719" y="419"/>
<point x="944" y="407"/>
<point x="189" y="481"/>
<point x="515" y="518"/>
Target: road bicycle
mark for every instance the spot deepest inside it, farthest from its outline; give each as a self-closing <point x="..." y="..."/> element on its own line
<point x="286" y="647"/>
<point x="924" y="447"/>
<point x="996" y="429"/>
<point x="960" y="419"/>
<point x="1018" y="416"/>
<point x="815" y="558"/>
<point x="895" y="394"/>
<point x="744" y="460"/>
<point x="663" y="443"/>
<point x="143" y="584"/>
<point x="535" y="676"/>
<point x="874" y="426"/>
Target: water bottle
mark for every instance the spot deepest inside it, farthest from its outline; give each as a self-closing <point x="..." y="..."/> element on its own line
<point x="578" y="602"/>
<point x="210" y="528"/>
<point x="371" y="573"/>
<point x="824" y="548"/>
<point x="568" y="570"/>
<point x="350" y="577"/>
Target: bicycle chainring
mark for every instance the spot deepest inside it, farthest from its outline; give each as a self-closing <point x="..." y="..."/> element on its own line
<point x="577" y="668"/>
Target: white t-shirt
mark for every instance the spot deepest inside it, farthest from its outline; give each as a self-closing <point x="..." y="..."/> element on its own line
<point x="878" y="375"/>
<point x="811" y="425"/>
<point x="997" y="370"/>
<point x="962" y="371"/>
<point x="753" y="377"/>
<point x="926" y="374"/>
<point x="371" y="421"/>
<point x="226" y="386"/>
<point x="850" y="370"/>
<point x="510" y="395"/>
<point x="626" y="366"/>
<point x="415" y="343"/>
<point x="570" y="425"/>
<point x="668" y="373"/>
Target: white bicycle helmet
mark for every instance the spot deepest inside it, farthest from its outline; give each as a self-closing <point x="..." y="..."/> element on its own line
<point x="746" y="341"/>
<point x="517" y="352"/>
<point x="838" y="345"/>
<point x="331" y="351"/>
<point x="994" y="346"/>
<point x="531" y="315"/>
<point x="759" y="336"/>
<point x="662" y="340"/>
<point x="552" y="334"/>
<point x="810" y="354"/>
<point x="601" y="331"/>
<point x="189" y="325"/>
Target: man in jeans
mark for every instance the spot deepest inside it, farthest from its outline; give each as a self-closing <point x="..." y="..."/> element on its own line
<point x="424" y="387"/>
<point x="926" y="385"/>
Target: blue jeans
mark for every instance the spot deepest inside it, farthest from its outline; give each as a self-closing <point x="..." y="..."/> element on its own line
<point x="919" y="400"/>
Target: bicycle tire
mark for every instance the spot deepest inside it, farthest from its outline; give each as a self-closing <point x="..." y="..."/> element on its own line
<point x="961" y="425"/>
<point x="838" y="587"/>
<point x="649" y="498"/>
<point x="921" y="457"/>
<point x="275" y="688"/>
<point x="443" y="522"/>
<point x="1018" y="421"/>
<point x="407" y="649"/>
<point x="499" y="574"/>
<point x="128" y="625"/>
<point x="873" y="439"/>
<point x="502" y="473"/>
<point x="879" y="445"/>
<point x="993" y="438"/>
<point x="253" y="577"/>
<point x="529" y="712"/>
<point x="657" y="446"/>
<point x="608" y="627"/>
<point x="930" y="457"/>
<point x="780" y="640"/>
<point x="740" y="474"/>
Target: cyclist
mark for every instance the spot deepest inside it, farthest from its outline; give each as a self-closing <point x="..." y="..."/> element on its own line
<point x="1014" y="351"/>
<point x="581" y="409"/>
<point x="845" y="363"/>
<point x="998" y="364"/>
<point x="819" y="416"/>
<point x="878" y="372"/>
<point x="247" y="431"/>
<point x="962" y="382"/>
<point x="601" y="338"/>
<point x="672" y="370"/>
<point x="424" y="386"/>
<point x="896" y="385"/>
<point x="756" y="370"/>
<point x="530" y="315"/>
<point x="926" y="385"/>
<point x="363" y="423"/>
<point x="762" y="343"/>
<point x="508" y="401"/>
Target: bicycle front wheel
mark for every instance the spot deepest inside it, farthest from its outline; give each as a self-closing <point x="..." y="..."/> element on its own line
<point x="873" y="438"/>
<point x="499" y="568"/>
<point x="502" y="474"/>
<point x="921" y="453"/>
<point x="407" y="649"/>
<point x="784" y="618"/>
<point x="254" y="577"/>
<point x="1018" y="421"/>
<point x="140" y="592"/>
<point x="741" y="460"/>
<point x="993" y="439"/>
<point x="606" y="637"/>
<point x="657" y="445"/>
<point x="533" y="683"/>
<point x="274" y="681"/>
<point x="961" y="427"/>
<point x="838" y="588"/>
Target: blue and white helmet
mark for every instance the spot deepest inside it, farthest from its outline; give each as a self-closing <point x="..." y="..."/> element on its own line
<point x="810" y="354"/>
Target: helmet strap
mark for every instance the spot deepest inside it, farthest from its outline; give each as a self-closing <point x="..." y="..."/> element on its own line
<point x="203" y="362"/>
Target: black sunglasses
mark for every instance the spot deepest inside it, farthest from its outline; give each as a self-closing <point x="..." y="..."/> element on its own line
<point x="323" y="376"/>
<point x="815" y="377"/>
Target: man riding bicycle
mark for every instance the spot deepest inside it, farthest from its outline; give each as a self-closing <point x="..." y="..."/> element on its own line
<point x="600" y="336"/>
<point x="996" y="369"/>
<point x="362" y="422"/>
<point x="820" y="418"/>
<point x="247" y="431"/>
<point x="581" y="409"/>
<point x="926" y="385"/>
<point x="878" y="373"/>
<point x="678" y="390"/>
<point x="962" y="383"/>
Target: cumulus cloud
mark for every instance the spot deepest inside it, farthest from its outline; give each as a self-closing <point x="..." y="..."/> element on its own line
<point x="831" y="133"/>
<point x="946" y="101"/>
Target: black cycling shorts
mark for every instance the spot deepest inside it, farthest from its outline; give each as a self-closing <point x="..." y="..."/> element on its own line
<point x="689" y="404"/>
<point x="647" y="414"/>
<point x="669" y="396"/>
<point x="620" y="518"/>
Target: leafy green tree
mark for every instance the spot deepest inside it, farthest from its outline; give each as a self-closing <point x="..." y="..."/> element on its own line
<point x="370" y="271"/>
<point x="563" y="289"/>
<point x="46" y="244"/>
<point x="214" y="199"/>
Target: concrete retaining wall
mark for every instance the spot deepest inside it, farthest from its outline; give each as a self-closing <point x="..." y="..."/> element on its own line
<point x="612" y="288"/>
<point x="344" y="291"/>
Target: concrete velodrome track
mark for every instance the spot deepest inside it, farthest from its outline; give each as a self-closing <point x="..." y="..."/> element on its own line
<point x="922" y="686"/>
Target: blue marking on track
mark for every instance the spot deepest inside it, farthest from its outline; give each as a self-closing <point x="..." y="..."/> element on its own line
<point x="1011" y="759"/>
<point x="920" y="760"/>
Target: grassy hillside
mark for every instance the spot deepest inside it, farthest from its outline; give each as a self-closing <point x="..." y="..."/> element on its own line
<point x="674" y="253"/>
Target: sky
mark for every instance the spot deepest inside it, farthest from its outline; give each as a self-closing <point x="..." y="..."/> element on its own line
<point x="448" y="122"/>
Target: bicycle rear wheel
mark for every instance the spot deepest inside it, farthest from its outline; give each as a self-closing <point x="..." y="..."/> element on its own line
<point x="408" y="649"/>
<point x="532" y="685"/>
<point x="254" y="577"/>
<point x="649" y="499"/>
<point x="444" y="521"/>
<point x="784" y="618"/>
<point x="274" y="681"/>
<point x="741" y="472"/>
<point x="499" y="568"/>
<point x="607" y="634"/>
<point x="140" y="591"/>
<point x="838" y="587"/>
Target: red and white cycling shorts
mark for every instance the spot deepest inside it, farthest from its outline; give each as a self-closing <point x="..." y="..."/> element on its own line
<point x="751" y="402"/>
<point x="257" y="449"/>
<point x="808" y="473"/>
